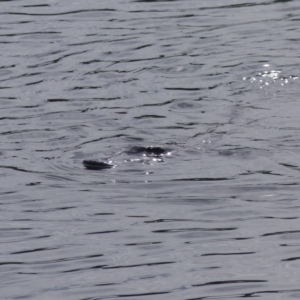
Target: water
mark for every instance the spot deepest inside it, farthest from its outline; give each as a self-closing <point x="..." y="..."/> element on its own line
<point x="216" y="82"/>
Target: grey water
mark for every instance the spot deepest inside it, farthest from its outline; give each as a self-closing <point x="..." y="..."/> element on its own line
<point x="215" y="83"/>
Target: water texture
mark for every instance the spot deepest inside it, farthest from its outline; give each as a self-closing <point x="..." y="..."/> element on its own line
<point x="215" y="84"/>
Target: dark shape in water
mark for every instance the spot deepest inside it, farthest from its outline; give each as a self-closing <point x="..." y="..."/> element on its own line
<point x="96" y="165"/>
<point x="154" y="150"/>
<point x="148" y="151"/>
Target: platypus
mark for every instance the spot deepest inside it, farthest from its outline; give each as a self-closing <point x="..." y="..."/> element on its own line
<point x="150" y="151"/>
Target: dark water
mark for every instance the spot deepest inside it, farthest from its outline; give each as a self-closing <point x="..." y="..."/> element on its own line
<point x="213" y="82"/>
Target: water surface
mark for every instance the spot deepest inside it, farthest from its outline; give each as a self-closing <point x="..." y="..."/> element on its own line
<point x="214" y="82"/>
